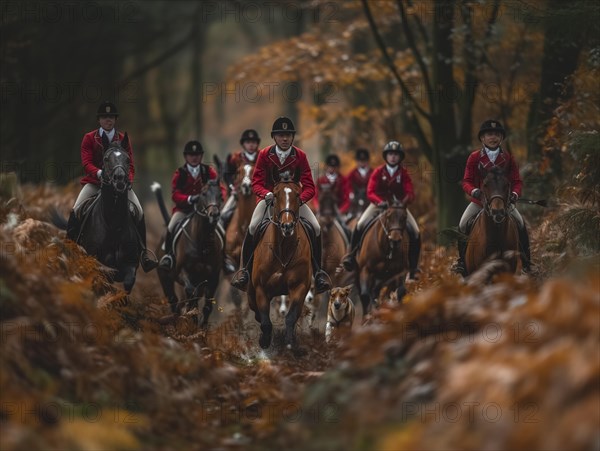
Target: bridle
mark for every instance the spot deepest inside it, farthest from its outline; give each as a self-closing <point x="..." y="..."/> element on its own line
<point x="391" y="229"/>
<point x="388" y="232"/>
<point x="108" y="176"/>
<point x="487" y="207"/>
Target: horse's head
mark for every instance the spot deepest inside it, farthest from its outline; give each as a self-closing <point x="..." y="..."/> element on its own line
<point x="115" y="166"/>
<point x="394" y="222"/>
<point x="286" y="205"/>
<point x="327" y="203"/>
<point x="210" y="201"/>
<point x="244" y="179"/>
<point x="496" y="192"/>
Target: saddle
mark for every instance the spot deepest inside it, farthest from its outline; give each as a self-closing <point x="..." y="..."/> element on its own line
<point x="367" y="227"/>
<point x="179" y="228"/>
<point x="262" y="227"/>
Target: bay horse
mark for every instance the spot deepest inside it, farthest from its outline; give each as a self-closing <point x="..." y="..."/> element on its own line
<point x="198" y="255"/>
<point x="494" y="230"/>
<point x="334" y="238"/>
<point x="108" y="226"/>
<point x="282" y="263"/>
<point x="383" y="255"/>
<point x="358" y="204"/>
<point x="246" y="201"/>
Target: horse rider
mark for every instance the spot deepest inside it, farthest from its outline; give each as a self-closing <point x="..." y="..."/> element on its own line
<point x="186" y="186"/>
<point x="358" y="178"/>
<point x="249" y="142"/>
<point x="491" y="154"/>
<point x="335" y="181"/>
<point x="389" y="179"/>
<point x="93" y="146"/>
<point x="272" y="160"/>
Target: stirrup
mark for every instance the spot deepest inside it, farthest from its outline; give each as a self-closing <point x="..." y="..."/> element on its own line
<point x="240" y="280"/>
<point x="322" y="282"/>
<point x="147" y="263"/>
<point x="349" y="262"/>
<point x="166" y="262"/>
<point x="459" y="267"/>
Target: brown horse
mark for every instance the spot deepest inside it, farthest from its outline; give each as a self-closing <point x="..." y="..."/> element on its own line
<point x="199" y="255"/>
<point x="383" y="255"/>
<point x="335" y="243"/>
<point x="282" y="263"/>
<point x="494" y="230"/>
<point x="246" y="201"/>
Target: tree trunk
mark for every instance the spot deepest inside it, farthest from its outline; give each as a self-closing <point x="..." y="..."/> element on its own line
<point x="564" y="39"/>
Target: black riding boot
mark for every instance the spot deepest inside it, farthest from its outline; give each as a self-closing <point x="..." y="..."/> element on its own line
<point x="460" y="267"/>
<point x="147" y="262"/>
<point x="166" y="262"/>
<point x="525" y="250"/>
<point x="322" y="281"/>
<point x="73" y="227"/>
<point x="242" y="277"/>
<point x="349" y="260"/>
<point x="414" y="250"/>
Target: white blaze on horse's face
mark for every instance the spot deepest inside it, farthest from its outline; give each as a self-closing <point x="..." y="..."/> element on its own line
<point x="246" y="185"/>
<point x="287" y="228"/>
<point x="117" y="153"/>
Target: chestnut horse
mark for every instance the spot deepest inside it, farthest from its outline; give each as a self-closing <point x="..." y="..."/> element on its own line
<point x="335" y="243"/>
<point x="199" y="255"/>
<point x="246" y="201"/>
<point x="383" y="255"/>
<point x="494" y="230"/>
<point x="282" y="263"/>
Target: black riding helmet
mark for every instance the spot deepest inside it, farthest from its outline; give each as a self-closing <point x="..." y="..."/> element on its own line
<point x="491" y="125"/>
<point x="394" y="146"/>
<point x="107" y="108"/>
<point x="249" y="135"/>
<point x="332" y="160"/>
<point x="283" y="125"/>
<point x="193" y="148"/>
<point x="362" y="154"/>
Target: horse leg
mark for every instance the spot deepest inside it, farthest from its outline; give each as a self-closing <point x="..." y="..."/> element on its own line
<point x="365" y="285"/>
<point x="168" y="286"/>
<point x="129" y="278"/>
<point x="209" y="300"/>
<point x="263" y="304"/>
<point x="294" y="312"/>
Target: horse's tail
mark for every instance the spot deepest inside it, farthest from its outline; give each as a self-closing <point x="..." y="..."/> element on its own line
<point x="157" y="190"/>
<point x="57" y="219"/>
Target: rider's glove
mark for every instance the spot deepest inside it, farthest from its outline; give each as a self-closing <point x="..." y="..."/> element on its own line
<point x="193" y="198"/>
<point x="383" y="205"/>
<point x="514" y="197"/>
<point x="476" y="193"/>
<point x="269" y="197"/>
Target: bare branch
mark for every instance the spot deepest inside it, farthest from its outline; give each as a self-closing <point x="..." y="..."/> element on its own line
<point x="390" y="62"/>
<point x="413" y="45"/>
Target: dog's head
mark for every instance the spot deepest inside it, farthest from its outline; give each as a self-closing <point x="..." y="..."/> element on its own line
<point x="339" y="299"/>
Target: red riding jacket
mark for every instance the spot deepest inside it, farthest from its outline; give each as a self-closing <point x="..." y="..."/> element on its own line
<point x="357" y="181"/>
<point x="184" y="185"/>
<point x="382" y="186"/>
<point x="268" y="168"/>
<point x="340" y="187"/>
<point x="92" y="152"/>
<point x="478" y="161"/>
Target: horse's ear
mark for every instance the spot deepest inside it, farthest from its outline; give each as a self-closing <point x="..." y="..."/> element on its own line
<point x="125" y="142"/>
<point x="105" y="142"/>
<point x="218" y="165"/>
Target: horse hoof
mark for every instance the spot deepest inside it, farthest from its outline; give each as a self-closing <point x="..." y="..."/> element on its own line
<point x="264" y="341"/>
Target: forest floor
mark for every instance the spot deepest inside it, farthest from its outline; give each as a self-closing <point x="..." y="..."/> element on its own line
<point x="511" y="364"/>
